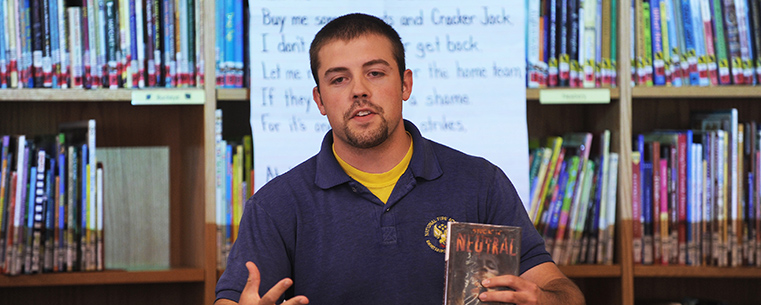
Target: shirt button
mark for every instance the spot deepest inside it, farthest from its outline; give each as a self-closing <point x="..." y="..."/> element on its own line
<point x="353" y="189"/>
<point x="388" y="210"/>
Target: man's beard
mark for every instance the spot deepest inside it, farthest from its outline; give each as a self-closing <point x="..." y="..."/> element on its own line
<point x="370" y="138"/>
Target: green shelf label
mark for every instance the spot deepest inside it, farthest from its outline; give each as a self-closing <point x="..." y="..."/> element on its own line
<point x="574" y="96"/>
<point x="168" y="97"/>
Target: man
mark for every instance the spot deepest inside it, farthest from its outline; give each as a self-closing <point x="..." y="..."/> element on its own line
<point x="358" y="222"/>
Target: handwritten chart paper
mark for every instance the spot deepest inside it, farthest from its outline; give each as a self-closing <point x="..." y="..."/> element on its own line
<point x="468" y="64"/>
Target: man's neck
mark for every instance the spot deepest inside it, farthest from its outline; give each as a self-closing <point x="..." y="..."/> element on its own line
<point x="378" y="159"/>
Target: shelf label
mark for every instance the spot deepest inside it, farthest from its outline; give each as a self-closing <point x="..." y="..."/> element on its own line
<point x="168" y="97"/>
<point x="575" y="96"/>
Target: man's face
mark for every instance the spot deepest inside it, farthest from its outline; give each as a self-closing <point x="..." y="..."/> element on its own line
<point x="360" y="90"/>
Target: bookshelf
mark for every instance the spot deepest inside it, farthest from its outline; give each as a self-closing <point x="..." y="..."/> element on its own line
<point x="189" y="132"/>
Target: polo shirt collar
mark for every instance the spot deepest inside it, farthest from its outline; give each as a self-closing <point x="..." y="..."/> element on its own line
<point x="423" y="164"/>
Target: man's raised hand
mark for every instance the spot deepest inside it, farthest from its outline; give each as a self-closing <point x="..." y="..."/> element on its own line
<point x="250" y="294"/>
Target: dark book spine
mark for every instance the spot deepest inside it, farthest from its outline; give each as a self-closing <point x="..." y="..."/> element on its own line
<point x="111" y="45"/>
<point x="158" y="46"/>
<point x="47" y="62"/>
<point x="755" y="18"/>
<point x="573" y="43"/>
<point x="87" y="77"/>
<point x="37" y="42"/>
<point x="563" y="29"/>
<point x="150" y="34"/>
<point x="191" y="51"/>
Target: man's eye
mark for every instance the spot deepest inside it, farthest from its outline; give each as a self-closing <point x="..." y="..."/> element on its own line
<point x="338" y="80"/>
<point x="376" y="73"/>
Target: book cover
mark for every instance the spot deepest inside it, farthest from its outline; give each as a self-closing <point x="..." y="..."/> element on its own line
<point x="475" y="252"/>
<point x="636" y="208"/>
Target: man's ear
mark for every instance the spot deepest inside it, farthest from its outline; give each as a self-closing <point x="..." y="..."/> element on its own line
<point x="407" y="84"/>
<point x="318" y="99"/>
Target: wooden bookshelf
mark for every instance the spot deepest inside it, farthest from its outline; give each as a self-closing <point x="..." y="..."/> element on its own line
<point x="108" y="277"/>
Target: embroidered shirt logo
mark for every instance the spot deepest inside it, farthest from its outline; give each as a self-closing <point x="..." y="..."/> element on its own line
<point x="436" y="233"/>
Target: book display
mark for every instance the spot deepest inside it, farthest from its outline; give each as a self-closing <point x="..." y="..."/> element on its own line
<point x="647" y="252"/>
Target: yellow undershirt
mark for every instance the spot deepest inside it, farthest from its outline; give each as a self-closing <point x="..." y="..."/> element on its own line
<point x="381" y="184"/>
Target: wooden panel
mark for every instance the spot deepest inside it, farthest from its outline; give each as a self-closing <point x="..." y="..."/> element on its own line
<point x="104" y="294"/>
<point x="103" y="278"/>
<point x="696" y="272"/>
<point x="735" y="291"/>
<point x="591" y="271"/>
<point x="697" y="92"/>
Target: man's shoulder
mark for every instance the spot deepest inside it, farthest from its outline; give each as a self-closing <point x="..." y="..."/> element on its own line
<point x="450" y="157"/>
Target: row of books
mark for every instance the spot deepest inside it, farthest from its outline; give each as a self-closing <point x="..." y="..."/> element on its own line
<point x="231" y="43"/>
<point x="101" y="43"/>
<point x="51" y="206"/>
<point x="695" y="42"/>
<point x="571" y="43"/>
<point x="695" y="193"/>
<point x="573" y="182"/>
<point x="234" y="185"/>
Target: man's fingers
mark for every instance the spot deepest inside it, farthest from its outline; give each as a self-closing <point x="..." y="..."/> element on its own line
<point x="297" y="301"/>
<point x="278" y="290"/>
<point x="250" y="294"/>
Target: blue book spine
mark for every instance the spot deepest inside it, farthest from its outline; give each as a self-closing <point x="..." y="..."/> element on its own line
<point x="219" y="52"/>
<point x="133" y="44"/>
<point x="62" y="202"/>
<point x="83" y="190"/>
<point x="49" y="208"/>
<point x="554" y="216"/>
<point x="169" y="52"/>
<point x="30" y="198"/>
<point x="26" y="40"/>
<point x="751" y="210"/>
<point x="229" y="27"/>
<point x="659" y="74"/>
<point x="690" y="195"/>
<point x="700" y="49"/>
<point x="238" y="43"/>
<point x="54" y="44"/>
<point x="647" y="200"/>
<point x="689" y="41"/>
<point x="675" y="55"/>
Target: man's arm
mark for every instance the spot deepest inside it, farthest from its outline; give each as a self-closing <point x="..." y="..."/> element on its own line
<point x="543" y="284"/>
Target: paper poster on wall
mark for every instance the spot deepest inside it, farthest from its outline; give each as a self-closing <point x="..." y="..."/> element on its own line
<point x="468" y="64"/>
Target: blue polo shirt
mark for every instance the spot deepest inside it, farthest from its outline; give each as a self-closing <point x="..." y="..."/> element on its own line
<point x="341" y="245"/>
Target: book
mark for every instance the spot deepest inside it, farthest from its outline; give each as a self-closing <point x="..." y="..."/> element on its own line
<point x="475" y="252"/>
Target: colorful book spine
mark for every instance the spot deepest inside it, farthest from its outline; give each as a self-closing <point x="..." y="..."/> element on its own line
<point x="3" y="55"/>
<point x="101" y="61"/>
<point x="37" y="41"/>
<point x="75" y="46"/>
<point x="200" y="43"/>
<point x="55" y="44"/>
<point x="665" y="39"/>
<point x="133" y="66"/>
<point x="674" y="33"/>
<point x="690" y="51"/>
<point x="743" y="28"/>
<point x="150" y="34"/>
<point x="26" y="44"/>
<point x="700" y="48"/>
<point x="63" y="36"/>
<point x="532" y="43"/>
<point x="94" y="44"/>
<point x="733" y="41"/>
<point x="182" y="43"/>
<point x="659" y="65"/>
<point x="710" y="52"/>
<point x="724" y="74"/>
<point x="755" y="33"/>
<point x="111" y="45"/>
<point x="590" y="37"/>
<point x="169" y="51"/>
<point x="158" y="44"/>
<point x="47" y="62"/>
<point x="192" y="43"/>
<point x="238" y="42"/>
